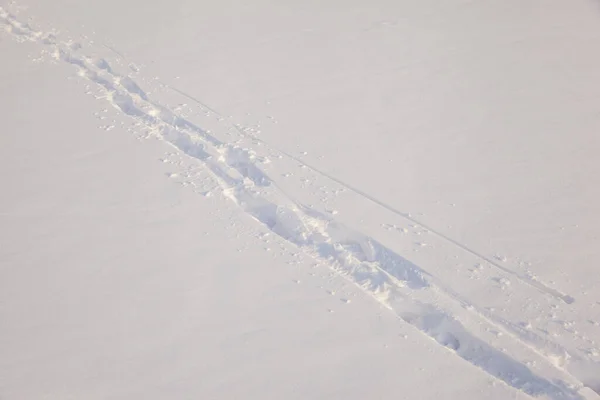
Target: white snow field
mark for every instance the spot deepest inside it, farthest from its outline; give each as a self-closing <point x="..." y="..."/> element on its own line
<point x="299" y="199"/>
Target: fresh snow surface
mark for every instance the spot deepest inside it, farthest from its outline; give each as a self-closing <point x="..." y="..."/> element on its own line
<point x="299" y="200"/>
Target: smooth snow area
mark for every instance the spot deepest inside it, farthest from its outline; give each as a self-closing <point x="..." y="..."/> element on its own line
<point x="299" y="200"/>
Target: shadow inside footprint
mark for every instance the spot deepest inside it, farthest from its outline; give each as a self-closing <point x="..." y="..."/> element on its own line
<point x="449" y="340"/>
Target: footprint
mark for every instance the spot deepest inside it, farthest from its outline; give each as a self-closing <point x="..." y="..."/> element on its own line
<point x="449" y="340"/>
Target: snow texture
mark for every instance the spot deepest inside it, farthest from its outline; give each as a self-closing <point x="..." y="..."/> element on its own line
<point x="351" y="201"/>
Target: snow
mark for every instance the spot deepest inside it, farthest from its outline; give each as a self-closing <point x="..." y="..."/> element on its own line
<point x="306" y="200"/>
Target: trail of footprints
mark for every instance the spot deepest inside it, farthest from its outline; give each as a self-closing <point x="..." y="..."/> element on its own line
<point x="497" y="346"/>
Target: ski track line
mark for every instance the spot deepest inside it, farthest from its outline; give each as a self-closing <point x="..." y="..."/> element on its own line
<point x="391" y="279"/>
